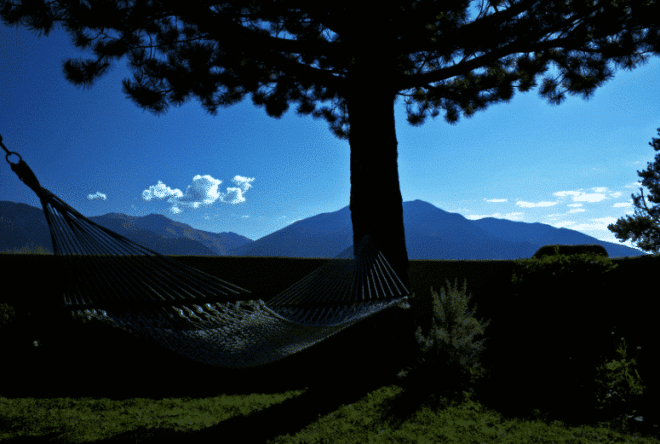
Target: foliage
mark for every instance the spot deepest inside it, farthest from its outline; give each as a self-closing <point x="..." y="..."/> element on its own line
<point x="220" y="54"/>
<point x="544" y="288"/>
<point x="644" y="229"/>
<point x="554" y="250"/>
<point x="560" y="266"/>
<point x="574" y="274"/>
<point x="618" y="387"/>
<point x="449" y="355"/>
<point x="6" y="313"/>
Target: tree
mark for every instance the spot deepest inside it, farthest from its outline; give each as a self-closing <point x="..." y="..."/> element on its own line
<point x="644" y="227"/>
<point x="361" y="55"/>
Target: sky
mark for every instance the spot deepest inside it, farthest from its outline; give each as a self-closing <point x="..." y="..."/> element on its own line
<point x="572" y="166"/>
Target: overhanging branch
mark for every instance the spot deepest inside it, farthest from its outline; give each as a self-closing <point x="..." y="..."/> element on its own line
<point x="263" y="47"/>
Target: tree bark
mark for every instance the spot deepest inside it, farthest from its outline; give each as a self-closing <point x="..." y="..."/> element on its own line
<point x="376" y="203"/>
<point x="377" y="209"/>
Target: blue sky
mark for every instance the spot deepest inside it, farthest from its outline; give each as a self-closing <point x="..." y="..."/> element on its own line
<point x="572" y="165"/>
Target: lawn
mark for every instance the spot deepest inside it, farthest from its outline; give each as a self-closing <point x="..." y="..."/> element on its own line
<point x="201" y="420"/>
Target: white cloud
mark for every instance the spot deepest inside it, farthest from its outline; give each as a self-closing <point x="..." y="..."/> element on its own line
<point x="160" y="191"/>
<point x="96" y="196"/>
<point x="508" y="216"/>
<point x="533" y="205"/>
<point x="583" y="197"/>
<point x="578" y="211"/>
<point x="203" y="192"/>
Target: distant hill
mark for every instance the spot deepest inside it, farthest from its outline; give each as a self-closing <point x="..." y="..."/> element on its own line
<point x="431" y="233"/>
<point x="23" y="225"/>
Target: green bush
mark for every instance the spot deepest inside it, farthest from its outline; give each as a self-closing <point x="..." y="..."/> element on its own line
<point x="560" y="298"/>
<point x="17" y="328"/>
<point x="7" y="312"/>
<point x="561" y="269"/>
<point x="12" y="326"/>
<point x="616" y="376"/>
<point x="448" y="361"/>
<point x="568" y="250"/>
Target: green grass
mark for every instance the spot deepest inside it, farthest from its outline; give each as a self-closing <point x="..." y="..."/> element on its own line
<point x="379" y="417"/>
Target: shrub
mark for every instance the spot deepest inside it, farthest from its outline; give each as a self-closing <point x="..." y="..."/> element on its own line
<point x="564" y="303"/>
<point x="568" y="250"/>
<point x="11" y="328"/>
<point x="564" y="270"/>
<point x="448" y="361"/>
<point x="6" y="313"/>
<point x="617" y="377"/>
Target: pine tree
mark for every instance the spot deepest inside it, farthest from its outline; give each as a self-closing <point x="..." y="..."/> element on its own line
<point x="644" y="228"/>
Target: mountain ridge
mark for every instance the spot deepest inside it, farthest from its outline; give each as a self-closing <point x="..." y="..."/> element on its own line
<point x="431" y="234"/>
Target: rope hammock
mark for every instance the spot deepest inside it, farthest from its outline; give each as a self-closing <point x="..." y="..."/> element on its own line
<point x="116" y="281"/>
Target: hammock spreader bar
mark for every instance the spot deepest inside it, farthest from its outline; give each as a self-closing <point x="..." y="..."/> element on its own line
<point x="119" y="282"/>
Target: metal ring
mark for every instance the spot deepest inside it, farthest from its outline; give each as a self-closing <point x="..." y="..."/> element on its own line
<point x="7" y="158"/>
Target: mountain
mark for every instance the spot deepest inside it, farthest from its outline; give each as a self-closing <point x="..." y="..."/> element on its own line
<point x="23" y="225"/>
<point x="431" y="233"/>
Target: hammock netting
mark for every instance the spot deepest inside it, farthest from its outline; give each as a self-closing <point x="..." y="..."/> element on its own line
<point x="114" y="280"/>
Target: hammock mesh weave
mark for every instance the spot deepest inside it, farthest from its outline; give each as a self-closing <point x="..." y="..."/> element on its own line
<point x="114" y="280"/>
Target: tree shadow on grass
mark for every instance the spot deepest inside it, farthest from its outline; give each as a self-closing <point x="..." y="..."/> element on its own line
<point x="288" y="417"/>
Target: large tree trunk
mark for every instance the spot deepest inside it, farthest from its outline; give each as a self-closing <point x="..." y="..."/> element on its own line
<point x="376" y="202"/>
<point x="376" y="209"/>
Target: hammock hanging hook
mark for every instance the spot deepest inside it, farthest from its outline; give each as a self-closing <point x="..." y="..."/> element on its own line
<point x="22" y="170"/>
<point x="8" y="152"/>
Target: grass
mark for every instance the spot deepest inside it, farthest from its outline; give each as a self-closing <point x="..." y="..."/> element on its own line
<point x="379" y="417"/>
<point x="330" y="412"/>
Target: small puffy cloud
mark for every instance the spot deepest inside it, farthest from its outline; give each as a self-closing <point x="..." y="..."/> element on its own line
<point x="96" y="196"/>
<point x="204" y="191"/>
<point x="160" y="191"/>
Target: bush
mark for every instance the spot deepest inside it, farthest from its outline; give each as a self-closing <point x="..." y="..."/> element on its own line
<point x="564" y="305"/>
<point x="11" y="328"/>
<point x="448" y="362"/>
<point x="617" y="377"/>
<point x="7" y="312"/>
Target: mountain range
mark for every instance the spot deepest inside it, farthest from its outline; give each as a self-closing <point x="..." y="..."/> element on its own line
<point x="431" y="233"/>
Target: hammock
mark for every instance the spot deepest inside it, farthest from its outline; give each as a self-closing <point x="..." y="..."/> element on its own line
<point x="111" y="279"/>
